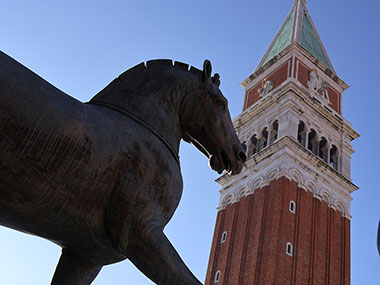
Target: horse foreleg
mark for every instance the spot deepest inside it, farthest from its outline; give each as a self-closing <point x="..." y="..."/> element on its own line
<point x="74" y="270"/>
<point x="155" y="256"/>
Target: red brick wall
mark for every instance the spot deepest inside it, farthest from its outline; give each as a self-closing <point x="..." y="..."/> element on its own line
<point x="252" y="96"/>
<point x="237" y="248"/>
<point x="284" y="262"/>
<point x="214" y="253"/>
<point x="277" y="77"/>
<point x="258" y="229"/>
<point x="302" y="72"/>
<point x="320" y="243"/>
<point x="303" y="237"/>
<point x="346" y="263"/>
<point x="258" y="202"/>
<point x="270" y="234"/>
<point x="334" y="99"/>
<point x="336" y="249"/>
<point x="225" y="248"/>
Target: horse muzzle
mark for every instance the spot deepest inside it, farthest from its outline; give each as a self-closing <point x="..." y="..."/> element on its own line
<point x="233" y="164"/>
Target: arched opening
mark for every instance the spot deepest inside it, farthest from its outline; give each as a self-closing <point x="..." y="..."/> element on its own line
<point x="334" y="157"/>
<point x="244" y="144"/>
<point x="323" y="149"/>
<point x="289" y="249"/>
<point x="224" y="237"/>
<point x="217" y="277"/>
<point x="302" y="133"/>
<point x="274" y="132"/>
<point x="252" y="149"/>
<point x="341" y="208"/>
<point x="326" y="197"/>
<point x="313" y="142"/>
<point x="292" y="207"/>
<point x="227" y="200"/>
<point x="264" y="139"/>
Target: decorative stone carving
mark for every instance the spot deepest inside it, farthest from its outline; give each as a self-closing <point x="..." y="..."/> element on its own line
<point x="228" y="200"/>
<point x="268" y="86"/>
<point x="317" y="86"/>
<point x="325" y="93"/>
<point x="273" y="173"/>
<point x="314" y="82"/>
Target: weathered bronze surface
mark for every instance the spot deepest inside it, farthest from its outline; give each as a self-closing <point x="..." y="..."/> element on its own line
<point x="103" y="179"/>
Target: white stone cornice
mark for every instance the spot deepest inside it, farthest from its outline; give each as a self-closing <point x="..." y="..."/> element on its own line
<point x="287" y="158"/>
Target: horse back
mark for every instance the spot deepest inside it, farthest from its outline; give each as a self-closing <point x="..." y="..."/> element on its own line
<point x="50" y="160"/>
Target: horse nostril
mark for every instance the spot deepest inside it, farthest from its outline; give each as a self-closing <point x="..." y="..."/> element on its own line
<point x="242" y="156"/>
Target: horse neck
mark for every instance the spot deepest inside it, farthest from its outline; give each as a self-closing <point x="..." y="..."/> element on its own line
<point x="156" y="102"/>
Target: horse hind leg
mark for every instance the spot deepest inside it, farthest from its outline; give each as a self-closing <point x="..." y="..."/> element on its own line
<point x="73" y="269"/>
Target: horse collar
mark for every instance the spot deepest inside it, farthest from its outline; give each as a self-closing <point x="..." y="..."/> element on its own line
<point x="141" y="122"/>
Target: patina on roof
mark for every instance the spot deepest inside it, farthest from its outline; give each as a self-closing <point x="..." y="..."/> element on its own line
<point x="283" y="39"/>
<point x="311" y="43"/>
<point x="298" y="27"/>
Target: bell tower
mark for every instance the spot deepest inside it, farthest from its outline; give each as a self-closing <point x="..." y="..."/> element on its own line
<point x="285" y="219"/>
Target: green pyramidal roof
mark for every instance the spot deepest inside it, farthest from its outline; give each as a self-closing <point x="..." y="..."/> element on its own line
<point x="310" y="41"/>
<point x="283" y="39"/>
<point x="298" y="27"/>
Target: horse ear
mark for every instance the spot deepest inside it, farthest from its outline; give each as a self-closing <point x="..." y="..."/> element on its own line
<point x="216" y="79"/>
<point x="206" y="69"/>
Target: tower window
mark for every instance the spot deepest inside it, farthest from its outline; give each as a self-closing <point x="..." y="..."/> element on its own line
<point x="323" y="149"/>
<point x="264" y="139"/>
<point x="224" y="237"/>
<point x="217" y="277"/>
<point x="244" y="145"/>
<point x="302" y="133"/>
<point x="289" y="249"/>
<point x="334" y="157"/>
<point x="252" y="146"/>
<point x="292" y="207"/>
<point x="274" y="132"/>
<point x="313" y="142"/>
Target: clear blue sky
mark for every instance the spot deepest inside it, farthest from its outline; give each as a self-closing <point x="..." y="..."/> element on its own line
<point x="80" y="46"/>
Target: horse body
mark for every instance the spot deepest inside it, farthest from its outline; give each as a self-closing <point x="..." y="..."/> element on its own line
<point x="92" y="179"/>
<point x="67" y="186"/>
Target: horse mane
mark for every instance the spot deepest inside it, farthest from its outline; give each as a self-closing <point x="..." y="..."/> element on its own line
<point x="139" y="68"/>
<point x="159" y="63"/>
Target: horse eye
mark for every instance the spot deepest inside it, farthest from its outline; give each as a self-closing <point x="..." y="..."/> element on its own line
<point x="222" y="104"/>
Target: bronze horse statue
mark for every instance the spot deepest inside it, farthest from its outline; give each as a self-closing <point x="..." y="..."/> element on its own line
<point x="102" y="179"/>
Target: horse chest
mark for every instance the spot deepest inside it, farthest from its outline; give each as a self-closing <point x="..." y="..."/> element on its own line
<point x="149" y="173"/>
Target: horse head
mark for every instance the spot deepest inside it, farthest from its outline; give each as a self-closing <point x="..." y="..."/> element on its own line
<point x="206" y="123"/>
